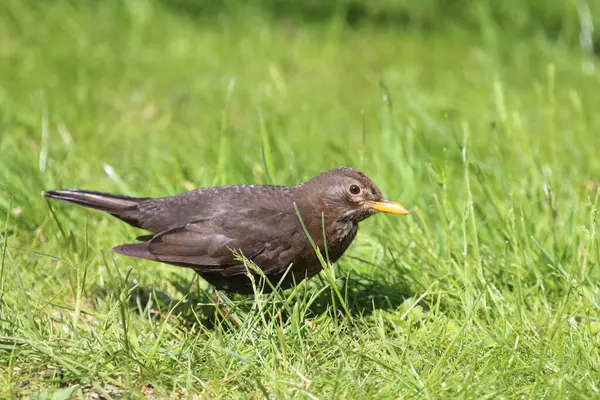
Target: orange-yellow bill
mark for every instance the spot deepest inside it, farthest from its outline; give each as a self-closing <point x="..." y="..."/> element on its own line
<point x="387" y="206"/>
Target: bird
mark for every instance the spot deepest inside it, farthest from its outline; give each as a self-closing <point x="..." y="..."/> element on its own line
<point x="280" y="229"/>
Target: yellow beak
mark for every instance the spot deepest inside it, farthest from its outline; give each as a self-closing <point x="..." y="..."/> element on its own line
<point x="387" y="206"/>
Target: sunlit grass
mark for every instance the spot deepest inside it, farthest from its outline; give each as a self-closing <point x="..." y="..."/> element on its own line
<point x="489" y="289"/>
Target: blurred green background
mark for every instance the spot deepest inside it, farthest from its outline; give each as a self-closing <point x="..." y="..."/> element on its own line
<point x="481" y="117"/>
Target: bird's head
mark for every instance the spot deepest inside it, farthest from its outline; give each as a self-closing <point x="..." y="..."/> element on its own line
<point x="348" y="194"/>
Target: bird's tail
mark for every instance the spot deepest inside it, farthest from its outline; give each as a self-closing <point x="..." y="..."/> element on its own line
<point x="122" y="207"/>
<point x="99" y="201"/>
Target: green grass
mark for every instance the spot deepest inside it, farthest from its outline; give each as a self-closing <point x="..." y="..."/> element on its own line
<point x="490" y="137"/>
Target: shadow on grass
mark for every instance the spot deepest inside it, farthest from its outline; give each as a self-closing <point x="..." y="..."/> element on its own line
<point x="362" y="295"/>
<point x="193" y="306"/>
<point x="353" y="12"/>
<point x="426" y="16"/>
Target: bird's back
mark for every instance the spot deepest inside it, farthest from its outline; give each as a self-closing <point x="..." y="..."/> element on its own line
<point x="160" y="214"/>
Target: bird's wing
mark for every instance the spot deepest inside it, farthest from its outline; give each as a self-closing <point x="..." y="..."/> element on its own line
<point x="207" y="244"/>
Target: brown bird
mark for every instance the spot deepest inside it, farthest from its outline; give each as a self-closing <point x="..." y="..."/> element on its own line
<point x="199" y="229"/>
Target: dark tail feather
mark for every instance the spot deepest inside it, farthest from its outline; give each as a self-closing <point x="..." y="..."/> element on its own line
<point x="96" y="200"/>
<point x="122" y="207"/>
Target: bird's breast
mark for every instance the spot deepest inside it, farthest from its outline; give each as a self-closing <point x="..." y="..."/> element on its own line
<point x="339" y="238"/>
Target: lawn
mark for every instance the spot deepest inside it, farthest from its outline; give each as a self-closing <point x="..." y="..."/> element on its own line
<point x="489" y="133"/>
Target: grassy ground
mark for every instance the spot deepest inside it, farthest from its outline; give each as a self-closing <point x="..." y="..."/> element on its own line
<point x="488" y="290"/>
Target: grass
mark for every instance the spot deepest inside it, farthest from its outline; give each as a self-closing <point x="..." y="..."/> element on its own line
<point x="490" y="137"/>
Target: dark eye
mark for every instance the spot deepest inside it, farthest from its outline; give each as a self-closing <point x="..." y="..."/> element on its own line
<point x="354" y="189"/>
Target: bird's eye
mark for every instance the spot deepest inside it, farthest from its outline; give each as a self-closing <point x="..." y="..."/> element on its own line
<point x="354" y="189"/>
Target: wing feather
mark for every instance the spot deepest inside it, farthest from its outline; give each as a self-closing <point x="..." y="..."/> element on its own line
<point x="207" y="244"/>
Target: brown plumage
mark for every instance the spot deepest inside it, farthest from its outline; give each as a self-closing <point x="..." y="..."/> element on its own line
<point x="198" y="229"/>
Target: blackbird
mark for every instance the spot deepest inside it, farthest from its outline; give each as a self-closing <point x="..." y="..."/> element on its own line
<point x="201" y="228"/>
